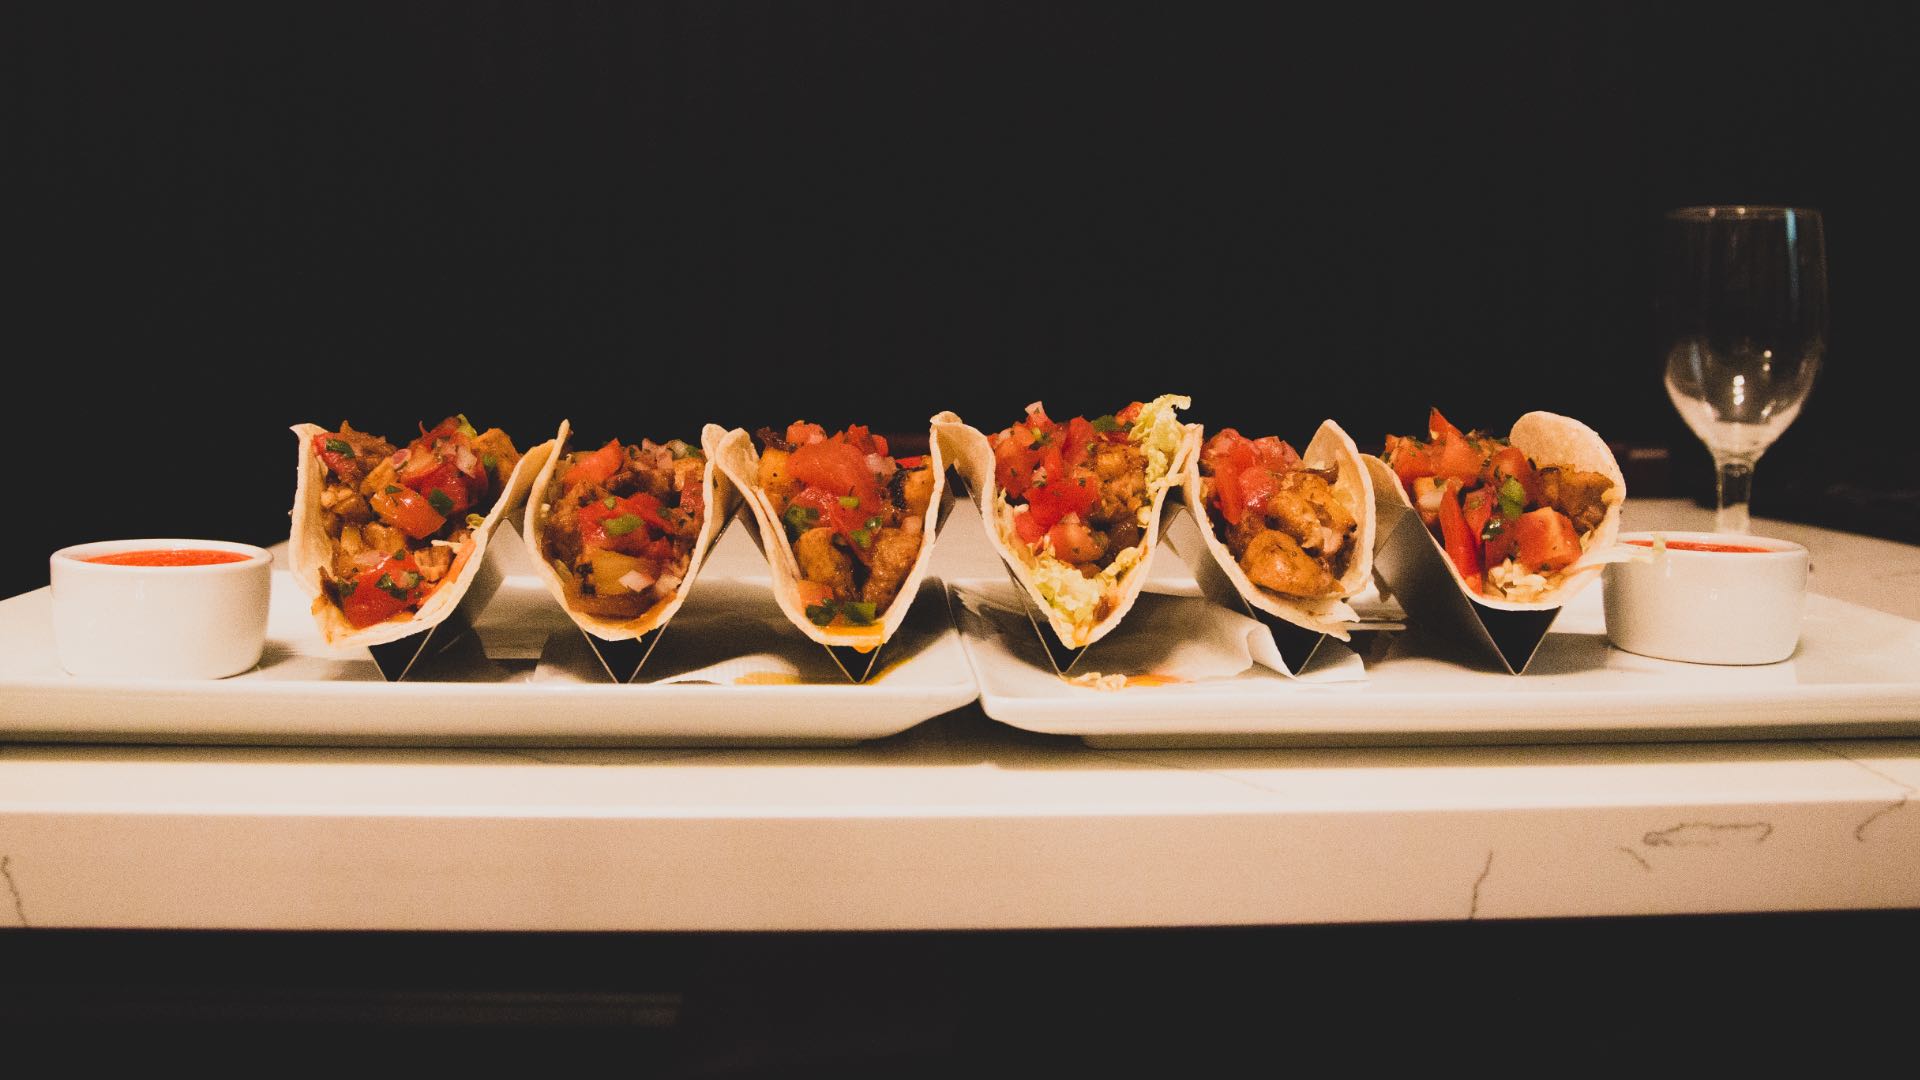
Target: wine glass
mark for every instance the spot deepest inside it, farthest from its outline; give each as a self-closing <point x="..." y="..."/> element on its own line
<point x="1744" y="306"/>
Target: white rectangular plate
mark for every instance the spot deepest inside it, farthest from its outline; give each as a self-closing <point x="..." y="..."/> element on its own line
<point x="526" y="681"/>
<point x="1857" y="672"/>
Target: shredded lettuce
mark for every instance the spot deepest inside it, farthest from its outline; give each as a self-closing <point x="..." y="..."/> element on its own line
<point x="1158" y="434"/>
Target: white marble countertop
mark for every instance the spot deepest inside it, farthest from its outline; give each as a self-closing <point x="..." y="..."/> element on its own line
<point x="962" y="823"/>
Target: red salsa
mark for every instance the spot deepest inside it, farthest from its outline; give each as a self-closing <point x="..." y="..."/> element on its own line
<point x="169" y="557"/>
<point x="1699" y="545"/>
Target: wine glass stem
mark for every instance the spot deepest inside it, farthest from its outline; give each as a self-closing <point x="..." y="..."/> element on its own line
<point x="1735" y="490"/>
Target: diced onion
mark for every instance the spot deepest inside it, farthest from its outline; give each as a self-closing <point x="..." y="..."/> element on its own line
<point x="881" y="466"/>
<point x="636" y="580"/>
<point x="668" y="583"/>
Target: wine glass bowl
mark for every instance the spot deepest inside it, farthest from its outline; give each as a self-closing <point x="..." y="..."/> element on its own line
<point x="1744" y="325"/>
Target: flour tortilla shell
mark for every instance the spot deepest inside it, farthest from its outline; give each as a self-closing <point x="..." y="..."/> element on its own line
<point x="1548" y="439"/>
<point x="972" y="455"/>
<point x="309" y="550"/>
<point x="734" y="453"/>
<point x="1331" y="448"/>
<point x="717" y="495"/>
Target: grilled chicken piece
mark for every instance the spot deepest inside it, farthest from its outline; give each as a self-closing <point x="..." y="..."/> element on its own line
<point x="774" y="479"/>
<point x="1277" y="561"/>
<point x="346" y="502"/>
<point x="434" y="561"/>
<point x="368" y="451"/>
<point x="916" y="491"/>
<point x="1579" y="495"/>
<point x="1122" y="471"/>
<point x="894" y="551"/>
<point x="822" y="562"/>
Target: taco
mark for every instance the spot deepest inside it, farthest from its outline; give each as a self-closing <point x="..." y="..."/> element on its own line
<point x="619" y="533"/>
<point x="847" y="528"/>
<point x="1074" y="508"/>
<point x="1292" y="532"/>
<point x="1522" y="522"/>
<point x="387" y="540"/>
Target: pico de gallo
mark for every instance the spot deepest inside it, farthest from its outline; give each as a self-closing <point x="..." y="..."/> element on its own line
<point x="621" y="523"/>
<point x="1078" y="495"/>
<point x="399" y="518"/>
<point x="855" y="515"/>
<point x="1283" y="522"/>
<point x="1510" y="525"/>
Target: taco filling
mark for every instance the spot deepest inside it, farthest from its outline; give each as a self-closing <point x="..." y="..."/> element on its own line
<point x="855" y="516"/>
<point x="621" y="524"/>
<point x="1282" y="521"/>
<point x="1511" y="526"/>
<point x="400" y="521"/>
<point x="1079" y="496"/>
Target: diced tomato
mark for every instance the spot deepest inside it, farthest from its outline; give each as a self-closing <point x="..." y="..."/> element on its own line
<point x="630" y="526"/>
<point x="1462" y="546"/>
<point x="1126" y="417"/>
<point x="344" y="466"/>
<point x="446" y="480"/>
<point x="1477" y="506"/>
<point x="1258" y="485"/>
<point x="595" y="468"/>
<point x="800" y="433"/>
<point x="407" y="510"/>
<point x="367" y="601"/>
<point x="812" y="593"/>
<point x="1073" y="541"/>
<point x="913" y="462"/>
<point x="1276" y="454"/>
<point x="1438" y="427"/>
<point x="1028" y="527"/>
<point x="1499" y="547"/>
<point x="1074" y="493"/>
<point x="1455" y="457"/>
<point x="1227" y="451"/>
<point x="1545" y="540"/>
<point x="1511" y="461"/>
<point x="841" y="469"/>
<point x="1227" y="497"/>
<point x="863" y="440"/>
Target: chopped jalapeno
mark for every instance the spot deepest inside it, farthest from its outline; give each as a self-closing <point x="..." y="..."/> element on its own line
<point x="863" y="538"/>
<point x="489" y="462"/>
<point x="609" y="502"/>
<point x="465" y="427"/>
<point x="441" y="503"/>
<point x="800" y="518"/>
<point x="820" y="614"/>
<point x="474" y="521"/>
<point x="623" y="524"/>
<point x="1513" y="498"/>
<point x="1105" y="424"/>
<point x="340" y="447"/>
<point x="848" y="502"/>
<point x="393" y="489"/>
<point x="858" y="612"/>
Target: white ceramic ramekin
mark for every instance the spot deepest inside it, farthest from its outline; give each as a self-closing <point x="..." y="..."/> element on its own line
<point x="159" y="622"/>
<point x="1708" y="607"/>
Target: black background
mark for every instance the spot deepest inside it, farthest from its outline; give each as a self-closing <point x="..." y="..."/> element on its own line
<point x="227" y="219"/>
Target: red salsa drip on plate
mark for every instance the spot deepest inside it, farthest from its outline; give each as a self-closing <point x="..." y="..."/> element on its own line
<point x="169" y="557"/>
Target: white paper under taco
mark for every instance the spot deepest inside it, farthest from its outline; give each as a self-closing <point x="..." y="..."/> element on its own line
<point x="972" y="455"/>
<point x="1333" y="450"/>
<point x="717" y="496"/>
<point x="309" y="550"/>
<point x="736" y="456"/>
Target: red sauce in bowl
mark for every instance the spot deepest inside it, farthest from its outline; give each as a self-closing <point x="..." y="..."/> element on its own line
<point x="169" y="557"/>
<point x="1697" y="545"/>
